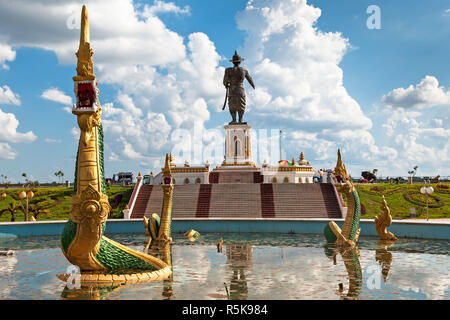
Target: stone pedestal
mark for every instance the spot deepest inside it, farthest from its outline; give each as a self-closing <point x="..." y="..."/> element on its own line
<point x="238" y="151"/>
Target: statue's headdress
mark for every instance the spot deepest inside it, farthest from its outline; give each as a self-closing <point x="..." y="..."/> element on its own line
<point x="236" y="57"/>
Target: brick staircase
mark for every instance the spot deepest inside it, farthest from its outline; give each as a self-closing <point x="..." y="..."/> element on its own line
<point x="305" y="201"/>
<point x="140" y="205"/>
<point x="235" y="201"/>
<point x="203" y="202"/>
<point x="242" y="200"/>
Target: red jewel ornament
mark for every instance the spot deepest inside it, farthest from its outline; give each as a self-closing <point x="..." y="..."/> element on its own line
<point x="167" y="180"/>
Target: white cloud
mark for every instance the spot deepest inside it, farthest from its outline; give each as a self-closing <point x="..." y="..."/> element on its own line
<point x="299" y="84"/>
<point x="75" y="132"/>
<point x="49" y="140"/>
<point x="8" y="97"/>
<point x="166" y="82"/>
<point x="418" y="141"/>
<point x="426" y="94"/>
<point x="56" y="95"/>
<point x="6" y="54"/>
<point x="161" y="81"/>
<point x="9" y="124"/>
<point x="6" y="152"/>
<point x="165" y="7"/>
<point x="113" y="156"/>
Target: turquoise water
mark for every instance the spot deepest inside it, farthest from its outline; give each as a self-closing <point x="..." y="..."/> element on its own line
<point x="250" y="266"/>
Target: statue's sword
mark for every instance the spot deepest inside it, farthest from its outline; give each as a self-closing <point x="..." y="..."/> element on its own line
<point x="226" y="98"/>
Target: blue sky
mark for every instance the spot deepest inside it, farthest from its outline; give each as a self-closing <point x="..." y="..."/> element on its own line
<point x="322" y="76"/>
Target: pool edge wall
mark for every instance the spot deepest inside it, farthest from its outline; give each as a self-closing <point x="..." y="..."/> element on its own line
<point x="402" y="229"/>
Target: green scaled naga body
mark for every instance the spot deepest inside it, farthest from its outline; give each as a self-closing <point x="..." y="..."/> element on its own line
<point x="82" y="240"/>
<point x="349" y="234"/>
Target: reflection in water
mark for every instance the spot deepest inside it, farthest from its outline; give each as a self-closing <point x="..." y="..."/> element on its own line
<point x="239" y="258"/>
<point x="219" y="245"/>
<point x="384" y="257"/>
<point x="353" y="267"/>
<point x="165" y="254"/>
<point x="282" y="267"/>
<point x="88" y="292"/>
<point x="98" y="291"/>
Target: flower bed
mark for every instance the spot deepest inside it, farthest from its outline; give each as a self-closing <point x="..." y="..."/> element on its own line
<point x="419" y="199"/>
<point x="442" y="188"/>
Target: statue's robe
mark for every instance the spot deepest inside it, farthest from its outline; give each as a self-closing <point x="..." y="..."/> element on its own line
<point x="234" y="80"/>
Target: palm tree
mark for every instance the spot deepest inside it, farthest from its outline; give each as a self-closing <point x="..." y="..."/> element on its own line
<point x="25" y="176"/>
<point x="13" y="209"/>
<point x="59" y="174"/>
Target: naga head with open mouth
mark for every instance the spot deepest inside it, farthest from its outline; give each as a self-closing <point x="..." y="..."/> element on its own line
<point x="85" y="85"/>
<point x="86" y="93"/>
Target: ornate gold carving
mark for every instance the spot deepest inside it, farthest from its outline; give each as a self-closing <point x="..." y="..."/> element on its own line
<point x="85" y="68"/>
<point x="239" y="164"/>
<point x="383" y="221"/>
<point x="189" y="169"/>
<point x="89" y="208"/>
<point x="340" y="169"/>
<point x="166" y="172"/>
<point x="88" y="123"/>
<point x="299" y="169"/>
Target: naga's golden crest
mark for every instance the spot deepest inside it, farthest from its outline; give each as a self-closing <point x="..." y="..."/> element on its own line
<point x="85" y="66"/>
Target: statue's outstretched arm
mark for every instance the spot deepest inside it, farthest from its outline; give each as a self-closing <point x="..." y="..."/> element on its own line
<point x="249" y="79"/>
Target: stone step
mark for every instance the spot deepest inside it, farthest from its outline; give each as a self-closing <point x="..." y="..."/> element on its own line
<point x="243" y="200"/>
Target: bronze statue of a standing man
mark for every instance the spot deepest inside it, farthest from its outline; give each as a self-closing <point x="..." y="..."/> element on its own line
<point x="233" y="80"/>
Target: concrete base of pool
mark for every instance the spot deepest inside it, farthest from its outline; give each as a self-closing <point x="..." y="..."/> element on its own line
<point x="402" y="229"/>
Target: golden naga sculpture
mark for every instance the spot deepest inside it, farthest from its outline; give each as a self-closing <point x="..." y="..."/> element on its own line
<point x="158" y="229"/>
<point x="99" y="258"/>
<point x="383" y="221"/>
<point x="349" y="234"/>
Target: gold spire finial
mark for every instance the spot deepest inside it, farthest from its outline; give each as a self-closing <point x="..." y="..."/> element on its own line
<point x="85" y="67"/>
<point x="302" y="156"/>
<point x="166" y="171"/>
<point x="293" y="161"/>
<point x="84" y="34"/>
<point x="340" y="170"/>
<point x="139" y="175"/>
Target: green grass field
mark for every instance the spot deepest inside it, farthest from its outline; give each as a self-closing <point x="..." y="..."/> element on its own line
<point x="399" y="197"/>
<point x="57" y="200"/>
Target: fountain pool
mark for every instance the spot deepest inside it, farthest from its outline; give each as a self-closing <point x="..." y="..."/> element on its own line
<point x="250" y="266"/>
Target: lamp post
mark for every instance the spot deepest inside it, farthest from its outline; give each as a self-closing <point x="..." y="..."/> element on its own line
<point x="26" y="195"/>
<point x="427" y="190"/>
